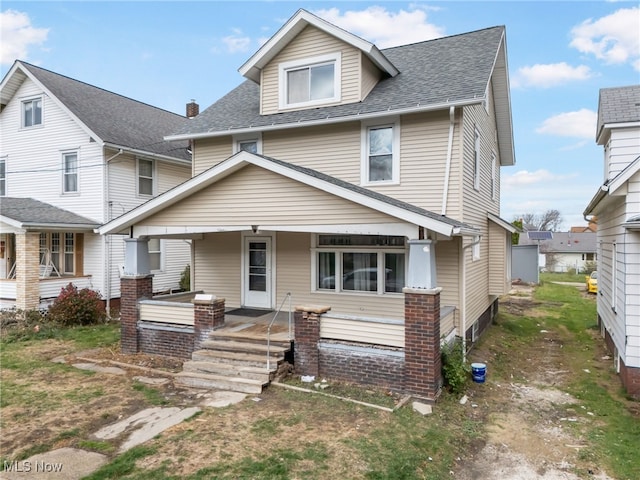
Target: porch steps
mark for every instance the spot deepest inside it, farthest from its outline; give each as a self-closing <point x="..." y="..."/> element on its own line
<point x="232" y="361"/>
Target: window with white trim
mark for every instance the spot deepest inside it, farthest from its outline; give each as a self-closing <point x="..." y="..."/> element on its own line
<point x="3" y="176"/>
<point x="251" y="143"/>
<point x="32" y="112"/>
<point x="476" y="161"/>
<point x="155" y="254"/>
<point x="614" y="276"/>
<point x="146" y="180"/>
<point x="381" y="153"/>
<point x="359" y="264"/>
<point x="494" y="177"/>
<point x="58" y="249"/>
<point x="70" y="172"/>
<point x="311" y="81"/>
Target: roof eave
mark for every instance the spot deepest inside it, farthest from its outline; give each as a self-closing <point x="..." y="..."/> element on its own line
<point x="145" y="153"/>
<point x="597" y="198"/>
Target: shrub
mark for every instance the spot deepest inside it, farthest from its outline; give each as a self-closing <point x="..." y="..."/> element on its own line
<point x="77" y="307"/>
<point x="185" y="279"/>
<point x="455" y="371"/>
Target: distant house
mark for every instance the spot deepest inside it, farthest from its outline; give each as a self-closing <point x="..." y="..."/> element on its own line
<point x="617" y="207"/>
<point x="359" y="180"/>
<point x="563" y="251"/>
<point x="72" y="157"/>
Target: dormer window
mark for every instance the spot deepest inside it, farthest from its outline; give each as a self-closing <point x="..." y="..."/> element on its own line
<point x="309" y="82"/>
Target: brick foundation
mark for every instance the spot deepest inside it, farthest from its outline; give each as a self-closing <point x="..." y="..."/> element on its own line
<point x="422" y="372"/>
<point x="208" y="314"/>
<point x="362" y="364"/>
<point x="166" y="340"/>
<point x="132" y="289"/>
<point x="630" y="376"/>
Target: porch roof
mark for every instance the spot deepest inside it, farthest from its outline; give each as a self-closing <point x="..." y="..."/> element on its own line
<point x="404" y="212"/>
<point x="31" y="214"/>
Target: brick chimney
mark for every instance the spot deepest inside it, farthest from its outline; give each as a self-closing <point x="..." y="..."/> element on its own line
<point x="193" y="109"/>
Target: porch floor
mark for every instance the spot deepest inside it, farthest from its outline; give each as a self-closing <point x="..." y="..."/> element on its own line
<point x="256" y="327"/>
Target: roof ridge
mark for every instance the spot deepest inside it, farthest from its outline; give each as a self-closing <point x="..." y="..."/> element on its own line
<point x="445" y="37"/>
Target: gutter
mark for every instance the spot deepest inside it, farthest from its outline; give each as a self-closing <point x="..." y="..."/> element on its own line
<point x="597" y="198"/>
<point x="144" y="153"/>
<point x="106" y="243"/>
<point x="445" y="193"/>
<point x="324" y="121"/>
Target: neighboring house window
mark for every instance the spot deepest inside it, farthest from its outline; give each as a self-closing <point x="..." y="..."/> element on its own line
<point x="494" y="178"/>
<point x="247" y="143"/>
<point x="359" y="264"/>
<point x="3" y="177"/>
<point x="589" y="257"/>
<point x="32" y="112"/>
<point x="381" y="153"/>
<point x="70" y="172"/>
<point x="476" y="161"/>
<point x="313" y="81"/>
<point x="145" y="177"/>
<point x="155" y="254"/>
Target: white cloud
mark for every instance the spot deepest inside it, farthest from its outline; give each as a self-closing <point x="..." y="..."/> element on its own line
<point x="384" y="28"/>
<point x="549" y="75"/>
<point x="237" y="42"/>
<point x="524" y="177"/>
<point x="18" y="35"/>
<point x="613" y="38"/>
<point x="581" y="124"/>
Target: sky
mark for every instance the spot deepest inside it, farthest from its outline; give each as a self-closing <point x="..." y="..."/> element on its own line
<point x="166" y="53"/>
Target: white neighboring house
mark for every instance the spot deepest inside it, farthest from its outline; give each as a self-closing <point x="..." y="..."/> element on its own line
<point x="563" y="251"/>
<point x="617" y="207"/>
<point x="72" y="157"/>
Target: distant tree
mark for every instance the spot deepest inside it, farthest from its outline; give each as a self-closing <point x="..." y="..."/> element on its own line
<point x="549" y="220"/>
<point x="515" y="237"/>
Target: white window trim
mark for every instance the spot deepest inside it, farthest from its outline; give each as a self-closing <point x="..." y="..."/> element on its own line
<point x="162" y="256"/>
<point x="494" y="178"/>
<point x="247" y="137"/>
<point x="476" y="160"/>
<point x="3" y="179"/>
<point x="364" y="151"/>
<point x="283" y="68"/>
<point x="339" y="250"/>
<point x="22" y="119"/>
<point x="154" y="178"/>
<point x="63" y="155"/>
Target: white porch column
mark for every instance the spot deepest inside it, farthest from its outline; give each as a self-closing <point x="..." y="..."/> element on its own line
<point x="136" y="257"/>
<point x="422" y="264"/>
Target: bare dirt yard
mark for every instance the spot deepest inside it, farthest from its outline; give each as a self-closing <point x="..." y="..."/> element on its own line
<point x="522" y="423"/>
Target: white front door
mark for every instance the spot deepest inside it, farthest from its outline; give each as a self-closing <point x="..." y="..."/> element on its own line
<point x="257" y="272"/>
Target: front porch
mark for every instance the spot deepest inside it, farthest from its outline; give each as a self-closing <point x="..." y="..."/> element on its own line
<point x="47" y="289"/>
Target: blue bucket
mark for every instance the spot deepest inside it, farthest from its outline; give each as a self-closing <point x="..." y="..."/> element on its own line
<point x="478" y="371"/>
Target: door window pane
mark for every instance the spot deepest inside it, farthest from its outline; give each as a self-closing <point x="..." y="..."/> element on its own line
<point x="258" y="266"/>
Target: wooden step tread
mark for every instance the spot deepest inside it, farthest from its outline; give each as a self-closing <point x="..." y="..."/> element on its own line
<point x="230" y="345"/>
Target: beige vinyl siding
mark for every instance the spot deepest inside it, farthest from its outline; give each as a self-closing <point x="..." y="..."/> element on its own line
<point x="371" y="75"/>
<point x="448" y="271"/>
<point x="209" y="152"/>
<point x="217" y="266"/>
<point x="254" y="196"/>
<point x="448" y="323"/>
<point x="498" y="280"/>
<point x="375" y="333"/>
<point x="310" y="43"/>
<point x="180" y="314"/>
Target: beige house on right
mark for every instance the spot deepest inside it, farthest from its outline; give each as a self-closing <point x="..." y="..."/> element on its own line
<point x="617" y="207"/>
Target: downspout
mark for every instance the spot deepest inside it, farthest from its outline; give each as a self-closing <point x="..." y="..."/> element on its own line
<point x="107" y="241"/>
<point x="463" y="291"/>
<point x="445" y="193"/>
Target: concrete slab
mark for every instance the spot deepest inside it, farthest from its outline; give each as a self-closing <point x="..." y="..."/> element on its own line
<point x="61" y="464"/>
<point x="152" y="380"/>
<point x="100" y="369"/>
<point x="422" y="408"/>
<point x="145" y="425"/>
<point x="222" y="399"/>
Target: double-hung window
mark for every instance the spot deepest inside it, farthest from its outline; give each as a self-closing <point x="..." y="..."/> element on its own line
<point x="155" y="254"/>
<point x="381" y="153"/>
<point x="476" y="161"/>
<point x="3" y="176"/>
<point x="360" y="264"/>
<point x="494" y="177"/>
<point x="70" y="172"/>
<point x="58" y="249"/>
<point x="145" y="177"/>
<point x="32" y="112"/>
<point x="312" y="81"/>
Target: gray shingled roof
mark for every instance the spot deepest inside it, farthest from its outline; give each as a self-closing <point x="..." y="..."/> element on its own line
<point x="115" y="119"/>
<point x="565" y="242"/>
<point x="31" y="212"/>
<point x="449" y="69"/>
<point x="618" y="105"/>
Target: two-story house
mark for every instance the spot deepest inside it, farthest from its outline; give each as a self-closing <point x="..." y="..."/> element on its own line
<point x="617" y="207"/>
<point x="72" y="157"/>
<point x="351" y="177"/>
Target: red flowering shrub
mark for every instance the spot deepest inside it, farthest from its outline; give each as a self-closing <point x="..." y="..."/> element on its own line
<point x="77" y="307"/>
